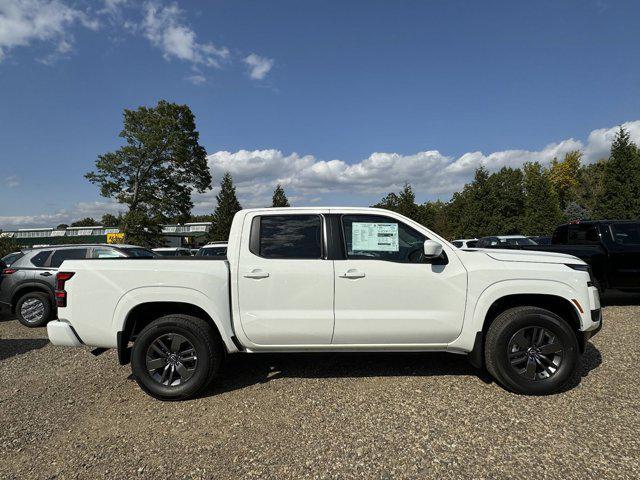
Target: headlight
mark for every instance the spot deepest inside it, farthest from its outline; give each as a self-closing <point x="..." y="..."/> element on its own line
<point x="578" y="266"/>
<point x="581" y="268"/>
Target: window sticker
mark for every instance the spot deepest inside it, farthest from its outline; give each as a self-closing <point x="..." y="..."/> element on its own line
<point x="376" y="237"/>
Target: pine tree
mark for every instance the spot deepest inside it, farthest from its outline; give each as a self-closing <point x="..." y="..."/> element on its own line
<point x="541" y="206"/>
<point x="407" y="203"/>
<point x="279" y="198"/>
<point x="619" y="197"/>
<point x="228" y="206"/>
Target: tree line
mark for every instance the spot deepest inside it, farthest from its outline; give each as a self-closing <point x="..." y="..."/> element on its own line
<point x="533" y="200"/>
<point x="161" y="164"/>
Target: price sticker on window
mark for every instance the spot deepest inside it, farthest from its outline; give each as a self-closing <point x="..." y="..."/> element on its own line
<point x="374" y="237"/>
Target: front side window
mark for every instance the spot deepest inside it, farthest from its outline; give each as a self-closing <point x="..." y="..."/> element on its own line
<point x="60" y="256"/>
<point x="626" y="233"/>
<point x="374" y="237"/>
<point x="290" y="236"/>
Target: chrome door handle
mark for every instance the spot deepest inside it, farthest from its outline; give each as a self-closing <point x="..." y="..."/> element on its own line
<point x="46" y="274"/>
<point x="257" y="273"/>
<point x="352" y="273"/>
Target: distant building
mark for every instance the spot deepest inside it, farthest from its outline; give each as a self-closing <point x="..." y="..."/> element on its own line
<point x="186" y="235"/>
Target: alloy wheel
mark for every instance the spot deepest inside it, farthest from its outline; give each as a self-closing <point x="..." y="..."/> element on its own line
<point x="535" y="353"/>
<point x="171" y="359"/>
<point x="32" y="310"/>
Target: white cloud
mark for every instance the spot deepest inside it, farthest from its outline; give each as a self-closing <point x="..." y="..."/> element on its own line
<point x="431" y="173"/>
<point x="23" y="22"/>
<point x="258" y="66"/>
<point x="79" y="211"/>
<point x="12" y="181"/>
<point x="112" y="7"/>
<point x="197" y="78"/>
<point x="163" y="27"/>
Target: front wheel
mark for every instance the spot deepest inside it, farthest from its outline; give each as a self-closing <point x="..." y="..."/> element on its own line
<point x="175" y="356"/>
<point x="531" y="350"/>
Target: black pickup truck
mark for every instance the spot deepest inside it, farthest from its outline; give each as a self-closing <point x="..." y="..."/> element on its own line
<point x="610" y="247"/>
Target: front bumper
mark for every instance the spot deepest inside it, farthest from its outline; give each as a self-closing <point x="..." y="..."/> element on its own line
<point x="62" y="333"/>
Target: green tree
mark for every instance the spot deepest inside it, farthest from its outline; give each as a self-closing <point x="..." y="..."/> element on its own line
<point x="156" y="171"/>
<point x="403" y="203"/>
<point x="565" y="177"/>
<point x="228" y="206"/>
<point x="589" y="190"/>
<point x="7" y="245"/>
<point x="279" y="198"/>
<point x="110" y="220"/>
<point x="619" y="196"/>
<point x="491" y="204"/>
<point x="85" y="222"/>
<point x="62" y="226"/>
<point x="433" y="215"/>
<point x="541" y="206"/>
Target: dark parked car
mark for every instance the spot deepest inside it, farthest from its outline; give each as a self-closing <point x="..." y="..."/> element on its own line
<point x="27" y="287"/>
<point x="610" y="247"/>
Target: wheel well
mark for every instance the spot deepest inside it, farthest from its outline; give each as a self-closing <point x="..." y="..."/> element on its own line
<point x="558" y="305"/>
<point x="23" y="291"/>
<point x="142" y="315"/>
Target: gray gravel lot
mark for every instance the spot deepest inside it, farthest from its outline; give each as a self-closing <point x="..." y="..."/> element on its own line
<point x="67" y="414"/>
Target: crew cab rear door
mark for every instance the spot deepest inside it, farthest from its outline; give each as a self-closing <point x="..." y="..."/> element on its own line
<point x="285" y="283"/>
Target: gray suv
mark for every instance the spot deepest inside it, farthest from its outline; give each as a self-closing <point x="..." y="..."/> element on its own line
<point x="27" y="287"/>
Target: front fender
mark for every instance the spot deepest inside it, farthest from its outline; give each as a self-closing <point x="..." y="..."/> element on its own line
<point x="217" y="309"/>
<point x="478" y="306"/>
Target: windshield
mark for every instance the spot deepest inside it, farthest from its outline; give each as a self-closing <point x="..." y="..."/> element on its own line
<point x="167" y="253"/>
<point x="139" y="252"/>
<point x="520" y="241"/>
<point x="212" y="252"/>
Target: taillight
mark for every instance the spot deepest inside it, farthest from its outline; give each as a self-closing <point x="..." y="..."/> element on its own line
<point x="9" y="271"/>
<point x="61" y="294"/>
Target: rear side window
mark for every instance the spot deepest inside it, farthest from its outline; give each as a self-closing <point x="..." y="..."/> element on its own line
<point x="40" y="259"/>
<point x="583" y="235"/>
<point x="560" y="235"/>
<point x="457" y="244"/>
<point x="60" y="256"/>
<point x="106" y="252"/>
<point x="288" y="236"/>
<point x="626" y="233"/>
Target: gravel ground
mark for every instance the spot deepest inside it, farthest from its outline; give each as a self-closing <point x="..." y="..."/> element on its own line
<point x="67" y="414"/>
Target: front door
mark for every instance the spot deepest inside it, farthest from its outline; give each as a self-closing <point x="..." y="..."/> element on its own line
<point x="387" y="294"/>
<point x="285" y="286"/>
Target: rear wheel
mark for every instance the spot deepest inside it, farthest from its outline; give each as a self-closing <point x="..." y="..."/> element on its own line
<point x="531" y="350"/>
<point x="34" y="309"/>
<point x="175" y="357"/>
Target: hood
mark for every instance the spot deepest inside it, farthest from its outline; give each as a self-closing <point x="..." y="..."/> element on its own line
<point x="531" y="256"/>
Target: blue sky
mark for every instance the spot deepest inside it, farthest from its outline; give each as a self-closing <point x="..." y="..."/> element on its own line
<point x="339" y="101"/>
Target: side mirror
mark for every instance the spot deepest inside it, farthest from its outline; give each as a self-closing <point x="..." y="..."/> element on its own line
<point x="432" y="249"/>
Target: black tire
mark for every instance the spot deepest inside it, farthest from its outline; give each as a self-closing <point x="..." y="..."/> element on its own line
<point x="198" y="334"/>
<point x="511" y="361"/>
<point x="34" y="309"/>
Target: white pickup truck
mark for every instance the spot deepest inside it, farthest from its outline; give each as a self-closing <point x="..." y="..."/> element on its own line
<point x="331" y="279"/>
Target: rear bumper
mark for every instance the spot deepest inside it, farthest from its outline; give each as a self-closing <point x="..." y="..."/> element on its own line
<point x="62" y="333"/>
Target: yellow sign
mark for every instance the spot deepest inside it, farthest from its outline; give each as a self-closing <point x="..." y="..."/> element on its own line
<point x="115" y="237"/>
